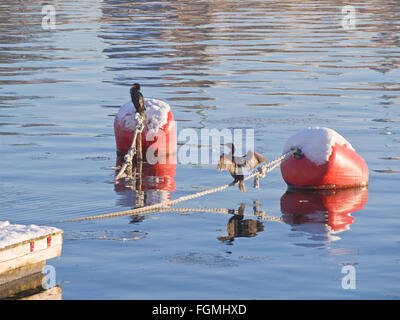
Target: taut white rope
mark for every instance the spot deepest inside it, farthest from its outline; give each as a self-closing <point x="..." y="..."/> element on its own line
<point x="260" y="172"/>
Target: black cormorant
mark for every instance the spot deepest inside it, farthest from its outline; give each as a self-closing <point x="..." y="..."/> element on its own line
<point x="137" y="99"/>
<point x="235" y="165"/>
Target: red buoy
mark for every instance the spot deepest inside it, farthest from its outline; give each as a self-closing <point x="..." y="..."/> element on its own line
<point x="331" y="208"/>
<point x="158" y="135"/>
<point x="326" y="161"/>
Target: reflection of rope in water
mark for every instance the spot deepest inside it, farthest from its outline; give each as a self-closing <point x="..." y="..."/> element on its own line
<point x="218" y="210"/>
<point x="260" y="172"/>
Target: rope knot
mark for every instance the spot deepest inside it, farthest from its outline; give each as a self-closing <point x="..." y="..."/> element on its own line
<point x="129" y="156"/>
<point x="261" y="172"/>
<point x="297" y="153"/>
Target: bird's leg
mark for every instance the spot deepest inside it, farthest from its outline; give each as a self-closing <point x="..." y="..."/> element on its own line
<point x="239" y="178"/>
<point x="256" y="182"/>
<point x="241" y="209"/>
<point x="257" y="212"/>
<point x="242" y="187"/>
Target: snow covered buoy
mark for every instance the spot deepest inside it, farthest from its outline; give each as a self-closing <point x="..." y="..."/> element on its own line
<point x="158" y="135"/>
<point x="327" y="161"/>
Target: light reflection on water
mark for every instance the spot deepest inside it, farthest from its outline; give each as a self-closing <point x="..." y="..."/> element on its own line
<point x="275" y="66"/>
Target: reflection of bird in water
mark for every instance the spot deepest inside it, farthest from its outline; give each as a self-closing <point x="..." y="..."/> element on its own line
<point x="137" y="99"/>
<point x="235" y="165"/>
<point x="257" y="211"/>
<point x="239" y="227"/>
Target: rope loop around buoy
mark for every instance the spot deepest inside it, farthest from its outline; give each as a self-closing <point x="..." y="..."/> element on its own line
<point x="128" y="158"/>
<point x="259" y="172"/>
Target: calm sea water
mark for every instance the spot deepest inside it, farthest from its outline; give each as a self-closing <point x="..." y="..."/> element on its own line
<point x="275" y="66"/>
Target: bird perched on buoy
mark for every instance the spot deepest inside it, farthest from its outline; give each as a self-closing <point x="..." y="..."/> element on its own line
<point x="137" y="99"/>
<point x="235" y="164"/>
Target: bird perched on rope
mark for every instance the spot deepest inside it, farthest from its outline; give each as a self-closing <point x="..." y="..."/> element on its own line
<point x="235" y="164"/>
<point x="137" y="99"/>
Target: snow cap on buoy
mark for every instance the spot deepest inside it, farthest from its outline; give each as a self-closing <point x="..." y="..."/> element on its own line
<point x="158" y="133"/>
<point x="326" y="161"/>
<point x="156" y="115"/>
<point x="316" y="143"/>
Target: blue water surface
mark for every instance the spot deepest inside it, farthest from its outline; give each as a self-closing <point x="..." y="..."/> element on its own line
<point x="273" y="66"/>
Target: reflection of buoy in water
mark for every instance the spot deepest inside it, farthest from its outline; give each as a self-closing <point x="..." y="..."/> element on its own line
<point x="327" y="161"/>
<point x="158" y="135"/>
<point x="158" y="177"/>
<point x="330" y="208"/>
<point x="156" y="182"/>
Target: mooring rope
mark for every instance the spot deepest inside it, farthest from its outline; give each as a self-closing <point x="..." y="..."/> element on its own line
<point x="260" y="172"/>
<point x="132" y="150"/>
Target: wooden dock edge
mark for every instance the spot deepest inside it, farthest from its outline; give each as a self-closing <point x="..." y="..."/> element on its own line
<point x="31" y="251"/>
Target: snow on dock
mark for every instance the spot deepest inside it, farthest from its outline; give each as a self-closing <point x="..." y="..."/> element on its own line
<point x="23" y="253"/>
